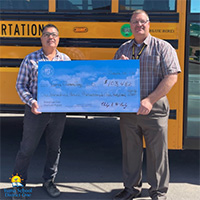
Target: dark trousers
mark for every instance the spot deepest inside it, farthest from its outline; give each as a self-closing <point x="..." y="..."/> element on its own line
<point x="50" y="124"/>
<point x="153" y="128"/>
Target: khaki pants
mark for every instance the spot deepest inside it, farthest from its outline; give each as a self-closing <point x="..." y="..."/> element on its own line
<point x="154" y="129"/>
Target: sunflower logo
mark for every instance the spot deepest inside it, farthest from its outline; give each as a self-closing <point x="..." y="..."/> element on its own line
<point x="16" y="181"/>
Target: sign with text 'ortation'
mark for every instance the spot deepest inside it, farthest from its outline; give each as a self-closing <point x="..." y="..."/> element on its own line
<point x="89" y="86"/>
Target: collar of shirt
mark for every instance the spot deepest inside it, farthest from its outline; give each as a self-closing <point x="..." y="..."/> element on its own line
<point x="44" y="56"/>
<point x="146" y="41"/>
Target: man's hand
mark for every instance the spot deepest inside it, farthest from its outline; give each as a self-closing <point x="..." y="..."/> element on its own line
<point x="145" y="107"/>
<point x="34" y="108"/>
<point x="123" y="57"/>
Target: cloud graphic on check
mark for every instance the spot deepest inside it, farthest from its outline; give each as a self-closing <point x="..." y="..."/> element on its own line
<point x="75" y="77"/>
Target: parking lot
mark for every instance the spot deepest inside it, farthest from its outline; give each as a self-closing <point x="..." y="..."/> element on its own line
<point x="90" y="165"/>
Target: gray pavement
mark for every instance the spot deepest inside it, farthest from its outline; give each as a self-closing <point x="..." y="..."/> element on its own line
<point x="90" y="165"/>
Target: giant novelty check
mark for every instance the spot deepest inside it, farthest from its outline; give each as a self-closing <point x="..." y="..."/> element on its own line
<point x="89" y="86"/>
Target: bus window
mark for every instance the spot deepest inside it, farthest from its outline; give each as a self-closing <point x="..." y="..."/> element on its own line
<point x="24" y="5"/>
<point x="147" y="5"/>
<point x="83" y="5"/>
<point x="195" y="6"/>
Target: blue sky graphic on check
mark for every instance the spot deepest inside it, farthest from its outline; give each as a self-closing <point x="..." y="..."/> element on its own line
<point x="89" y="86"/>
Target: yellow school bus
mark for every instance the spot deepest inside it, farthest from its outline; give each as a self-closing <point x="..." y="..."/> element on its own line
<point x="94" y="30"/>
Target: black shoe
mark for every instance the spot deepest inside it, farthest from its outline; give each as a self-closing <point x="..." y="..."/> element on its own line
<point x="159" y="198"/>
<point x="18" y="193"/>
<point x="51" y="188"/>
<point x="126" y="195"/>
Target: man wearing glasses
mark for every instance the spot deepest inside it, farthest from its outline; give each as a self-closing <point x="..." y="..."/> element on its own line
<point x="35" y="122"/>
<point x="159" y="67"/>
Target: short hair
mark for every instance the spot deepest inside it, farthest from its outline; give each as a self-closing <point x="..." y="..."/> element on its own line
<point x="139" y="12"/>
<point x="49" y="26"/>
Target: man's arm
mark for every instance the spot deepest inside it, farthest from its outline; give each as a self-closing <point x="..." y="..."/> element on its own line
<point x="162" y="89"/>
<point x="22" y="89"/>
<point x="23" y="82"/>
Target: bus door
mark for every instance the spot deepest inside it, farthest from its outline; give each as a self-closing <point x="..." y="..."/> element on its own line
<point x="192" y="77"/>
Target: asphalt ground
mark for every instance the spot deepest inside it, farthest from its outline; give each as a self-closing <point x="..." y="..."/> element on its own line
<point x="90" y="165"/>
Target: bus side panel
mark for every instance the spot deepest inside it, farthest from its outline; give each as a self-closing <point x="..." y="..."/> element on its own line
<point x="97" y="31"/>
<point x="8" y="77"/>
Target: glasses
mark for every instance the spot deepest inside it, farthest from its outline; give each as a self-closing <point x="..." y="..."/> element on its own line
<point x="142" y="22"/>
<point x="47" y="34"/>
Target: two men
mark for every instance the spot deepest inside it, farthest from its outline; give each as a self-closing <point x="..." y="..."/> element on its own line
<point x="36" y="123"/>
<point x="159" y="67"/>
